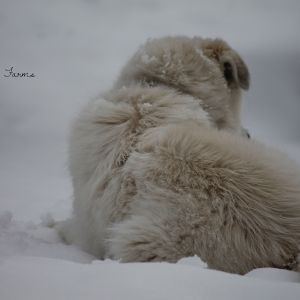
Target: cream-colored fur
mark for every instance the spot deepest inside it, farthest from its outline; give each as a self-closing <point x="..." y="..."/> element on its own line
<point x="161" y="168"/>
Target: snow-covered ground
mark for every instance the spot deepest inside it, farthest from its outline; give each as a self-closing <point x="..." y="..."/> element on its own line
<point x="76" y="49"/>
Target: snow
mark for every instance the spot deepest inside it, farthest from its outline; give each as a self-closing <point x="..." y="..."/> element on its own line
<point x="111" y="280"/>
<point x="146" y="59"/>
<point x="30" y="239"/>
<point x="76" y="49"/>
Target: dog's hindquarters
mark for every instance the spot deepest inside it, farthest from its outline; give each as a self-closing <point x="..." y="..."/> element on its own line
<point x="212" y="194"/>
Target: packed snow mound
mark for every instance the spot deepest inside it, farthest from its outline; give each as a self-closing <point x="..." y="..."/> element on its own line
<point x="29" y="239"/>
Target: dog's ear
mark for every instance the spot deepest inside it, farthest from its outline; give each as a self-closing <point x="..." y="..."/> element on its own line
<point x="235" y="70"/>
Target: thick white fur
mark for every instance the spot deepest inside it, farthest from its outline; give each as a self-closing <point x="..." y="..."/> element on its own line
<point x="161" y="170"/>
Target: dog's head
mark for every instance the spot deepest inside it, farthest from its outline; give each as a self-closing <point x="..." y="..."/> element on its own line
<point x="208" y="69"/>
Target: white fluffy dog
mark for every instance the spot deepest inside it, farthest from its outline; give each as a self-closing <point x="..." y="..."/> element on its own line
<point x="162" y="169"/>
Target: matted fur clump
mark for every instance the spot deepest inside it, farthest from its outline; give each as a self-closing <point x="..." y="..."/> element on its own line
<point x="163" y="169"/>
